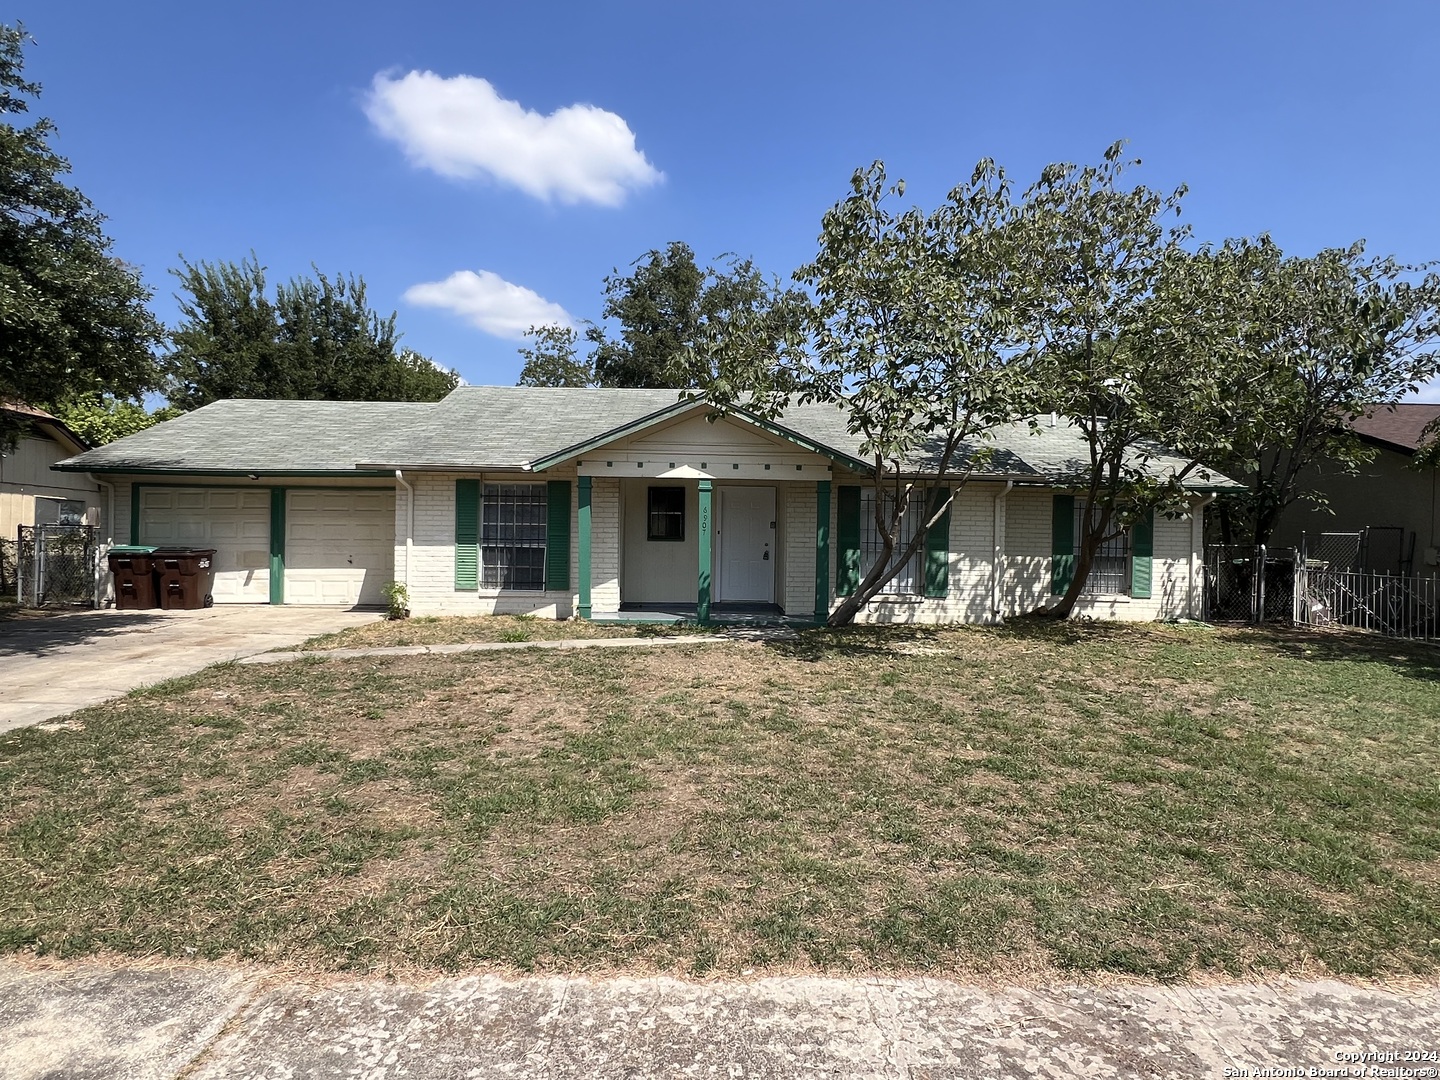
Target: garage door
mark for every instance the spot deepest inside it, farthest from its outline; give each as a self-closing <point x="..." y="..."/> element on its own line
<point x="233" y="521"/>
<point x="339" y="546"/>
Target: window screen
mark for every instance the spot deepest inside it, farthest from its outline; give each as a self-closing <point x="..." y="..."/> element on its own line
<point x="512" y="536"/>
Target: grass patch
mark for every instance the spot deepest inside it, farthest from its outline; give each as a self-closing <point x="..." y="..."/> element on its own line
<point x="1031" y="799"/>
<point x="459" y="629"/>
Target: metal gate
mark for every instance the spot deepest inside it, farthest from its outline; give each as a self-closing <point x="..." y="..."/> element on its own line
<point x="1249" y="583"/>
<point x="1355" y="580"/>
<point x="57" y="565"/>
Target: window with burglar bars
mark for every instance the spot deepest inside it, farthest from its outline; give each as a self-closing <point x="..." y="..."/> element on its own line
<point x="910" y="581"/>
<point x="1110" y="572"/>
<point x="512" y="536"/>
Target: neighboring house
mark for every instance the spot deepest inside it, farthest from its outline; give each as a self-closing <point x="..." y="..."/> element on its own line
<point x="31" y="493"/>
<point x="558" y="502"/>
<point x="1399" y="504"/>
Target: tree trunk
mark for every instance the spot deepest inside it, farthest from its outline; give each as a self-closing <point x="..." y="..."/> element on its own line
<point x="1083" y="560"/>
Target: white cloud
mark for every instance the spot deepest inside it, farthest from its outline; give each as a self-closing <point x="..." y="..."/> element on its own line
<point x="462" y="128"/>
<point x="490" y="302"/>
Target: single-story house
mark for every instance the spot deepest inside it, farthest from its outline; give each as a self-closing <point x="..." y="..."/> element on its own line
<point x="1393" y="504"/>
<point x="31" y="493"/>
<point x="605" y="502"/>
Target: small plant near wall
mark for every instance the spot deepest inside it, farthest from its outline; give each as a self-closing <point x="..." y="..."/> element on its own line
<point x="397" y="599"/>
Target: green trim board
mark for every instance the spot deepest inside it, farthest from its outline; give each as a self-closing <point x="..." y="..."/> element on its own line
<point x="583" y="539"/>
<point x="557" y="536"/>
<point x="277" y="545"/>
<point x="847" y="537"/>
<point x="1142" y="556"/>
<point x="937" y="547"/>
<point x="135" y="513"/>
<point x="704" y="536"/>
<point x="1062" y="543"/>
<point x="822" y="550"/>
<point x="138" y="470"/>
<point x="467" y="535"/>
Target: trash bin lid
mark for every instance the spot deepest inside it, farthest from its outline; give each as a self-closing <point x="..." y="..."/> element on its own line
<point x="131" y="549"/>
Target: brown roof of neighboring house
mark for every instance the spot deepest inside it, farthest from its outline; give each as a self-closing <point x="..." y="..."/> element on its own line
<point x="1397" y="427"/>
<point x="44" y="419"/>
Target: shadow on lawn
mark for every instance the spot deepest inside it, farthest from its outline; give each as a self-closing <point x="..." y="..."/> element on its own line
<point x="1413" y="659"/>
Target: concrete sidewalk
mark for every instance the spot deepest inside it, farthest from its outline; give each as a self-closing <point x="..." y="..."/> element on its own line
<point x="215" y="1023"/>
<point x="53" y="665"/>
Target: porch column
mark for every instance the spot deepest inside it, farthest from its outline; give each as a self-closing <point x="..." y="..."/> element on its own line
<point x="583" y="555"/>
<point x="822" y="550"/>
<point x="702" y="600"/>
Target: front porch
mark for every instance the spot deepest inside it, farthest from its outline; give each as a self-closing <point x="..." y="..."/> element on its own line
<point x="692" y="549"/>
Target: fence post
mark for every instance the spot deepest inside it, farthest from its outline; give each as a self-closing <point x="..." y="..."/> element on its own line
<point x="1259" y="595"/>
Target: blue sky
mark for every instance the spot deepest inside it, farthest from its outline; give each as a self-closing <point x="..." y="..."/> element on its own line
<point x="482" y="164"/>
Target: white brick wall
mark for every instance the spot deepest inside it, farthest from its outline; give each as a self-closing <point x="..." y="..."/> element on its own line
<point x="1027" y="565"/>
<point x="798" y="594"/>
<point x="431" y="578"/>
<point x="1025" y="585"/>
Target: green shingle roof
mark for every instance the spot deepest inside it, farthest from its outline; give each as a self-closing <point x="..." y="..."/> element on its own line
<point x="508" y="427"/>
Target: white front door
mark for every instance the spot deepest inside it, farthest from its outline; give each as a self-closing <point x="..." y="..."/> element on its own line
<point x="746" y="548"/>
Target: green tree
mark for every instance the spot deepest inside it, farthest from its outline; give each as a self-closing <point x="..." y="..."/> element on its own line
<point x="75" y="316"/>
<point x="910" y="336"/>
<point x="551" y="359"/>
<point x="1320" y="339"/>
<point x="318" y="340"/>
<point x="666" y="310"/>
<point x="1132" y="342"/>
<point x="103" y="418"/>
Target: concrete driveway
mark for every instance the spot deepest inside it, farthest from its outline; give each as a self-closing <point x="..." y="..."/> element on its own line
<point x="53" y="665"/>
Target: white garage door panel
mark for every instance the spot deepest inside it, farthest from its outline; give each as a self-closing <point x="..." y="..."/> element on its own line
<point x="339" y="546"/>
<point x="234" y="521"/>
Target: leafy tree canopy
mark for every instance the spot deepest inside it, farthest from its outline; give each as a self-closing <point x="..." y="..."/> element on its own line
<point x="666" y="309"/>
<point x="318" y="339"/>
<point x="1319" y="339"/>
<point x="74" y="315"/>
<point x="910" y="335"/>
<point x="103" y="418"/>
<point x="551" y="359"/>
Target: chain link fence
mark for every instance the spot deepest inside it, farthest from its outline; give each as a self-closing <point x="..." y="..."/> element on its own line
<point x="57" y="565"/>
<point x="1249" y="583"/>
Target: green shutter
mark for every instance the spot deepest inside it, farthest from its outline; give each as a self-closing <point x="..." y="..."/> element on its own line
<point x="1062" y="543"/>
<point x="847" y="539"/>
<point x="557" y="536"/>
<point x="1142" y="556"/>
<point x="467" y="534"/>
<point x="937" y="547"/>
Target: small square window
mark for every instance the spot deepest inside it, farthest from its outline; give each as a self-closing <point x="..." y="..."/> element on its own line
<point x="665" y="512"/>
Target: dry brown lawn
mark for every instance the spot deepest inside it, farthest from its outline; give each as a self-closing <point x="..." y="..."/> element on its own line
<point x="1166" y="802"/>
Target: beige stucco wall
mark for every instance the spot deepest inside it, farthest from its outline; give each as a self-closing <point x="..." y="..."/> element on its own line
<point x="25" y="474"/>
<point x="1384" y="492"/>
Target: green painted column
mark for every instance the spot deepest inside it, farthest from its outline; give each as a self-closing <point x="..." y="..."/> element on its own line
<point x="702" y="599"/>
<point x="277" y="545"/>
<point x="583" y="554"/>
<point x="822" y="550"/>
